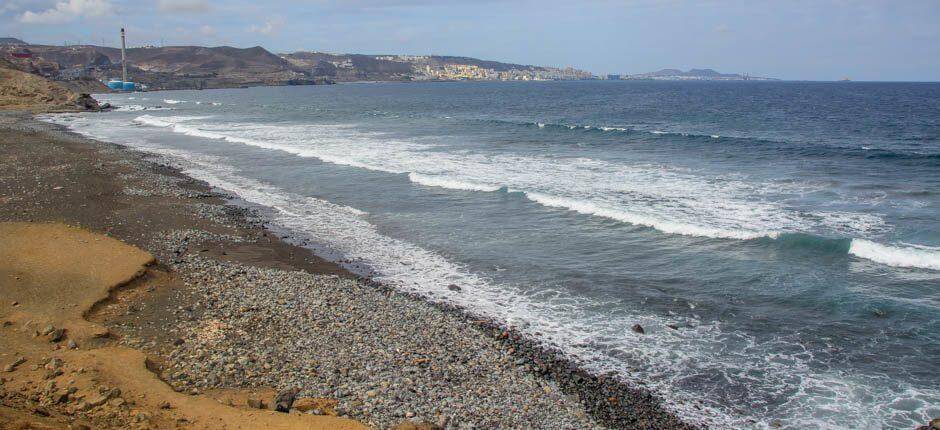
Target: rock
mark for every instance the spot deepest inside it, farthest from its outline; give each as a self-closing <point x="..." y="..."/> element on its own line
<point x="411" y="425"/>
<point x="54" y="363"/>
<point x="12" y="366"/>
<point x="317" y="406"/>
<point x="57" y="335"/>
<point x="256" y="403"/>
<point x="87" y="102"/>
<point x="61" y="397"/>
<point x="97" y="401"/>
<point x="167" y="405"/>
<point x="454" y="287"/>
<point x="638" y="329"/>
<point x="178" y="342"/>
<point x="48" y="329"/>
<point x="284" y="399"/>
<point x="72" y="344"/>
<point x="673" y="326"/>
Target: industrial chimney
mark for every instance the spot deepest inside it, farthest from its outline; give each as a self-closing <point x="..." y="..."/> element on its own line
<point x="123" y="60"/>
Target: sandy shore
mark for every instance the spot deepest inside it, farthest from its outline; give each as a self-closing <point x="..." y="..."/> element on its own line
<point x="231" y="311"/>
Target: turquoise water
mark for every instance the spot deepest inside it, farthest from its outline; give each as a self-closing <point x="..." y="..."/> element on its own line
<point x="790" y="230"/>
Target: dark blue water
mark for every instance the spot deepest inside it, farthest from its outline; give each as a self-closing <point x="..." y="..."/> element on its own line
<point x="790" y="230"/>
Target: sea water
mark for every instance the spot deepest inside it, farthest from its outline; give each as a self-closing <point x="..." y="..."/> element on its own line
<point x="790" y="231"/>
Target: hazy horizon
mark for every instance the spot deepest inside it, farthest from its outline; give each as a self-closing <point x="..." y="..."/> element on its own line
<point x="863" y="40"/>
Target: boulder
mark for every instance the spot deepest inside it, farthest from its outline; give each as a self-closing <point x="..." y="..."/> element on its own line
<point x="285" y="399"/>
<point x="638" y="329"/>
<point x="87" y="102"/>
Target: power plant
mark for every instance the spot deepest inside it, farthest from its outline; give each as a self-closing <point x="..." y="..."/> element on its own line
<point x="123" y="84"/>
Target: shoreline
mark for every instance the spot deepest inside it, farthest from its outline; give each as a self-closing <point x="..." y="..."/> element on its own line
<point x="608" y="401"/>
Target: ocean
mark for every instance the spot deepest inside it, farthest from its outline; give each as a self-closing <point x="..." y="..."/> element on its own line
<point x="779" y="242"/>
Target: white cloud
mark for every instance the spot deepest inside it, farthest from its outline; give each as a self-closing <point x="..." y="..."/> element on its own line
<point x="207" y="30"/>
<point x="267" y="28"/>
<point x="183" y="6"/>
<point x="69" y="10"/>
<point x="270" y="26"/>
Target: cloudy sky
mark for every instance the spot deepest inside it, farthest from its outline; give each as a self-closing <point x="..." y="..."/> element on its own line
<point x="796" y="39"/>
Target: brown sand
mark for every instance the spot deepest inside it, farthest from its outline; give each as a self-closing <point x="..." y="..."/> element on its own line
<point x="52" y="274"/>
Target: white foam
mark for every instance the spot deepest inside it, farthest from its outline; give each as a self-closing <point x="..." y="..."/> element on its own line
<point x="665" y="198"/>
<point x="136" y="108"/>
<point x="917" y="256"/>
<point x="589" y="208"/>
<point x="173" y="102"/>
<point x="444" y="182"/>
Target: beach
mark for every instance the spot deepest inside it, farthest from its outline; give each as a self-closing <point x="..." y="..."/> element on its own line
<point x="232" y="309"/>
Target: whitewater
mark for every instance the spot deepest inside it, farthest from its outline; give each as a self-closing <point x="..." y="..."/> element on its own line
<point x="716" y="210"/>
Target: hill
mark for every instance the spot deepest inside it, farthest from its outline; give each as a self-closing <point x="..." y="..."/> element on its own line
<point x="359" y="67"/>
<point x="695" y="74"/>
<point x="197" y="67"/>
<point x="173" y="67"/>
<point x="11" y="41"/>
<point x="24" y="91"/>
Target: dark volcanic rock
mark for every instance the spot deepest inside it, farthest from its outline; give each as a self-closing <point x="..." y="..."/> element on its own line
<point x="285" y="399"/>
<point x="87" y="102"/>
<point x="638" y="329"/>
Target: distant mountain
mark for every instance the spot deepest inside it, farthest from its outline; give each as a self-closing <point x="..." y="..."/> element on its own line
<point x="172" y="67"/>
<point x="11" y="41"/>
<point x="359" y="67"/>
<point x="188" y="67"/>
<point x="695" y="74"/>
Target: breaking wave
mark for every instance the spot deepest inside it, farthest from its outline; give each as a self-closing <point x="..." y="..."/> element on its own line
<point x="656" y="197"/>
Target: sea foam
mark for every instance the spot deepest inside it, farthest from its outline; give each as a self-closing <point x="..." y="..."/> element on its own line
<point x="909" y="256"/>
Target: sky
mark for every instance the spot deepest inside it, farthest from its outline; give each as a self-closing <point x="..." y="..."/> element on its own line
<point x="795" y="39"/>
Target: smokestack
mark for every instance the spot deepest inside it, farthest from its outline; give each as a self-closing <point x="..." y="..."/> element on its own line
<point x="123" y="60"/>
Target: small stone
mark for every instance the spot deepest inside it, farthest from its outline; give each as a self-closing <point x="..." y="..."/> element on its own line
<point x="57" y="335"/>
<point x="167" y="405"/>
<point x="72" y="344"/>
<point x="61" y="397"/>
<point x="371" y="393"/>
<point x="673" y="326"/>
<point x="638" y="329"/>
<point x="12" y="366"/>
<point x="48" y="329"/>
<point x="97" y="401"/>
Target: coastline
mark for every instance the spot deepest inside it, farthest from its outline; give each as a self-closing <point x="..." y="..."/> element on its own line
<point x="243" y="278"/>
